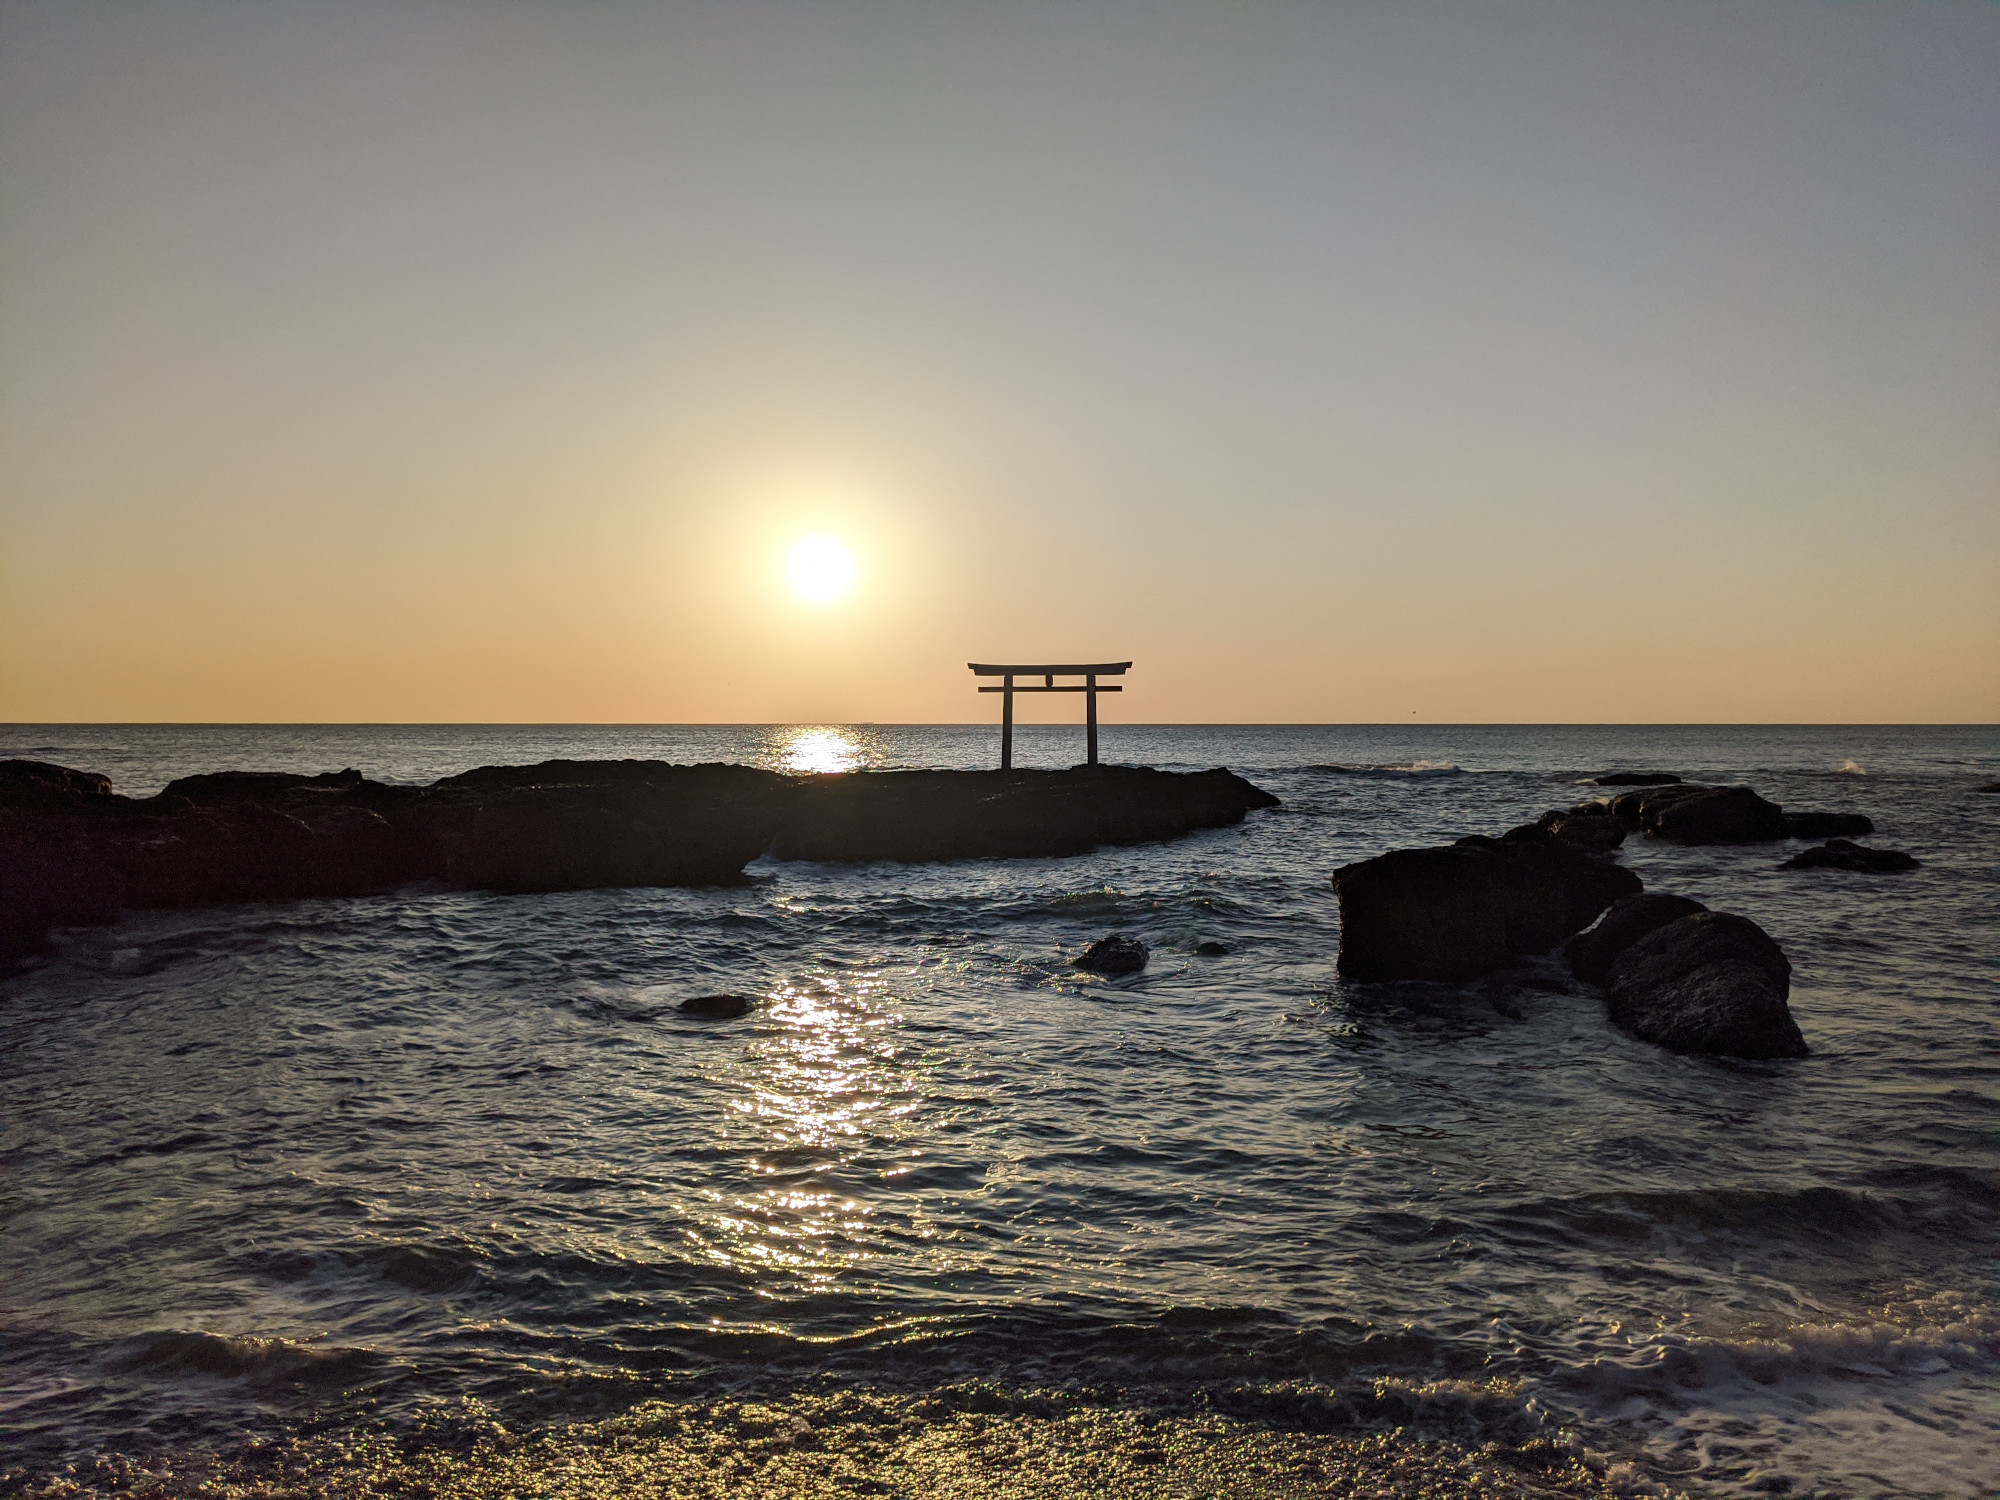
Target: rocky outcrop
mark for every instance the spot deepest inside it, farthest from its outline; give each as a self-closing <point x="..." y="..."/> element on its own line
<point x="1635" y="778"/>
<point x="1708" y="983"/>
<point x="581" y="825"/>
<point x="917" y="816"/>
<point x="1455" y="912"/>
<point x="1591" y="952"/>
<point x="72" y="852"/>
<point x="1112" y="956"/>
<point x="1685" y="813"/>
<point x="1826" y="825"/>
<point x="1839" y="854"/>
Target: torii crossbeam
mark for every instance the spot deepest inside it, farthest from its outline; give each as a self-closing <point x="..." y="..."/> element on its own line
<point x="1089" y="672"/>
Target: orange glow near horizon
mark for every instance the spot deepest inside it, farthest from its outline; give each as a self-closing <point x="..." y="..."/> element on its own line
<point x="713" y="364"/>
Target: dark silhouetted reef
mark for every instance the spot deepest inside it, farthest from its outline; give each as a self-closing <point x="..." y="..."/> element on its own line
<point x="74" y="853"/>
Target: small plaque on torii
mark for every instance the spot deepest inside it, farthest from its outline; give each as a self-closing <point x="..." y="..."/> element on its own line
<point x="1090" y="687"/>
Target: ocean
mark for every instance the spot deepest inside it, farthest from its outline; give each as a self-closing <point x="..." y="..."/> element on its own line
<point x="419" y="1162"/>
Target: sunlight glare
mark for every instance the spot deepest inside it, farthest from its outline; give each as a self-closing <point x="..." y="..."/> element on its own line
<point x="824" y="751"/>
<point x="820" y="568"/>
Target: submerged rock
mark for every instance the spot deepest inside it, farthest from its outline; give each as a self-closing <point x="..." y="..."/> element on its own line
<point x="1991" y="786"/>
<point x="1211" y="949"/>
<point x="1114" y="955"/>
<point x="717" y="1007"/>
<point x="1822" y="825"/>
<point x="1635" y="778"/>
<point x="1629" y="918"/>
<point x="1455" y="912"/>
<point x="1711" y="983"/>
<point x="1839" y="854"/>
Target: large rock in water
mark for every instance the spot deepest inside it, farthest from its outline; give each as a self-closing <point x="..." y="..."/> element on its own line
<point x="1716" y="815"/>
<point x="1591" y="952"/>
<point x="1459" y="911"/>
<point x="1710" y="983"/>
<point x="1636" y="778"/>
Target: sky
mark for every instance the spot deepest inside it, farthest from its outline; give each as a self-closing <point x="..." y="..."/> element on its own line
<point x="1402" y="362"/>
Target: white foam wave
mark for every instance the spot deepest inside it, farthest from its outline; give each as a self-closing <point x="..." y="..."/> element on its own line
<point x="1890" y="1407"/>
<point x="1848" y="768"/>
<point x="1405" y="769"/>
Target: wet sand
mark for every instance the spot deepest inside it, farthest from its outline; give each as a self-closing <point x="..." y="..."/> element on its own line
<point x="850" y="1444"/>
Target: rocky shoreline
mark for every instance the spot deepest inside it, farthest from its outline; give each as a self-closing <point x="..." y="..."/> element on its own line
<point x="75" y="853"/>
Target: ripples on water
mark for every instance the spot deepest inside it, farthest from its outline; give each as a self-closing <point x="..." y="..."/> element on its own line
<point x="382" y="1153"/>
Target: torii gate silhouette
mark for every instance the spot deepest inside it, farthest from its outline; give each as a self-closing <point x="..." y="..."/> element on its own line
<point x="1048" y="672"/>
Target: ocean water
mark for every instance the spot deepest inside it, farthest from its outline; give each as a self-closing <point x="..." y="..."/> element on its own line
<point x="375" y="1160"/>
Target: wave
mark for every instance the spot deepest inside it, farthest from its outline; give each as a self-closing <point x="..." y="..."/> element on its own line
<point x="1847" y="768"/>
<point x="1407" y="770"/>
<point x="261" y="1361"/>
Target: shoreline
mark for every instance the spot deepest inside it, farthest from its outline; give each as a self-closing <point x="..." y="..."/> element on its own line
<point x="959" y="1441"/>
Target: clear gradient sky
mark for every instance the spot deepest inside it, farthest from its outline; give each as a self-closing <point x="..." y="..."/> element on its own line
<point x="1369" y="362"/>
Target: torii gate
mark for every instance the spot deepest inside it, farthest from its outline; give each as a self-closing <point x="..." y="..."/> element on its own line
<point x="1089" y="673"/>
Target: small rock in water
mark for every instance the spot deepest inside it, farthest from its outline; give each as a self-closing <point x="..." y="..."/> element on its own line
<point x="1636" y="778"/>
<point x="717" y="1007"/>
<point x="1839" y="854"/>
<point x="1211" y="949"/>
<point x="1991" y="786"/>
<point x="1117" y="954"/>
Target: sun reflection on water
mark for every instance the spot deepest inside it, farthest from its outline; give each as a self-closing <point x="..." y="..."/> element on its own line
<point x="826" y="1099"/>
<point x="823" y="751"/>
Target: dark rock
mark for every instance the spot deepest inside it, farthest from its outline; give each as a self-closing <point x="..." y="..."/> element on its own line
<point x="1211" y="949"/>
<point x="1709" y="983"/>
<point x="37" y="785"/>
<point x="1635" y="778"/>
<point x="584" y="837"/>
<point x="255" y="786"/>
<point x="717" y="1007"/>
<point x="1629" y="918"/>
<point x="1592" y="830"/>
<point x="1825" y="825"/>
<point x="47" y="882"/>
<point x="1456" y="912"/>
<point x="1715" y="815"/>
<point x="1117" y="954"/>
<point x="1632" y="807"/>
<point x="72" y="852"/>
<point x="918" y="816"/>
<point x="1991" y="786"/>
<point x="1839" y="854"/>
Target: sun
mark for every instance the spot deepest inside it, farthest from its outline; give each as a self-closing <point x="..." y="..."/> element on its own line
<point x="820" y="568"/>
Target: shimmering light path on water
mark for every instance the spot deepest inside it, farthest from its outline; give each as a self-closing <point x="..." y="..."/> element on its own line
<point x="379" y="1154"/>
